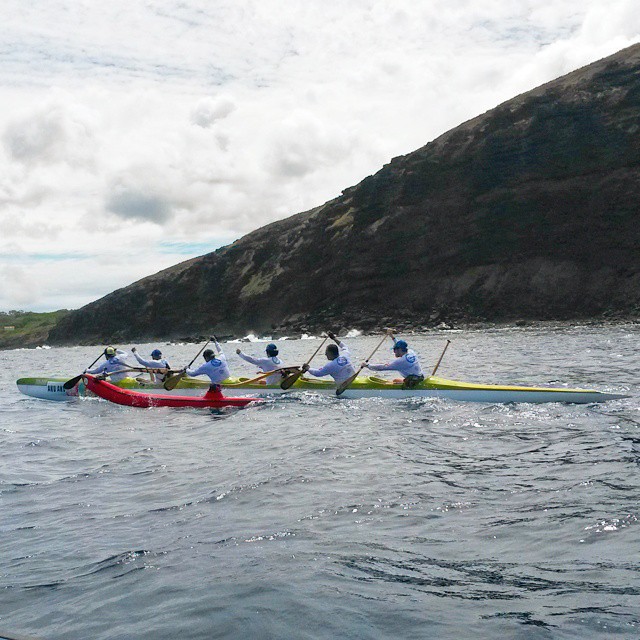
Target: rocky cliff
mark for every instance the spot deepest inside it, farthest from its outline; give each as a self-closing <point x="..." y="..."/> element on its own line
<point x="529" y="211"/>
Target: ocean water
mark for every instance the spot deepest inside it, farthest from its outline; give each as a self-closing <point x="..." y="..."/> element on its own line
<point x="316" y="517"/>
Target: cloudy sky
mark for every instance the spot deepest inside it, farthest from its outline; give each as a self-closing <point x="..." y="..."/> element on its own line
<point x="135" y="135"/>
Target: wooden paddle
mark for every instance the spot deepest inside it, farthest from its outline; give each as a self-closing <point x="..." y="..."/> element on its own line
<point x="347" y="383"/>
<point x="290" y="380"/>
<point x="433" y="373"/>
<point x="143" y="369"/>
<point x="171" y="382"/>
<point x="262" y="376"/>
<point x="69" y="384"/>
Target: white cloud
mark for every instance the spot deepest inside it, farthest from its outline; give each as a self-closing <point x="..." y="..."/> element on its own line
<point x="18" y="288"/>
<point x="208" y="111"/>
<point x="132" y="125"/>
<point x="299" y="143"/>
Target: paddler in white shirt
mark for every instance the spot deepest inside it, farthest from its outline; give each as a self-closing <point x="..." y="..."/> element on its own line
<point x="156" y="362"/>
<point x="339" y="366"/>
<point x="405" y="362"/>
<point x="215" y="367"/>
<point x="115" y="362"/>
<point x="270" y="363"/>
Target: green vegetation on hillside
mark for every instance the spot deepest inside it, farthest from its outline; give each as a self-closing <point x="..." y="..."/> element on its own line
<point x="26" y="328"/>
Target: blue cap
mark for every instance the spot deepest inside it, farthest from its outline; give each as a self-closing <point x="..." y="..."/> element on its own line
<point x="272" y="349"/>
<point x="156" y="353"/>
<point x="400" y="344"/>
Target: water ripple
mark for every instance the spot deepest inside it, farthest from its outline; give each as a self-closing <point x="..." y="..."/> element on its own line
<point x="314" y="517"/>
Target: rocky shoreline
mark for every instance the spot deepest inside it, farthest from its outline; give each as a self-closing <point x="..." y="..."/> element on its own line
<point x="404" y="328"/>
<point x="298" y="329"/>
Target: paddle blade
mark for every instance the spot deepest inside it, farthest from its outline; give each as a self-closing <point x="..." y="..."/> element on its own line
<point x="69" y="384"/>
<point x="290" y="380"/>
<point x="346" y="384"/>
<point x="172" y="382"/>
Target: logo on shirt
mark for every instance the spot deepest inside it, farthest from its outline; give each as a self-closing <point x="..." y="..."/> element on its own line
<point x="411" y="359"/>
<point x="341" y="360"/>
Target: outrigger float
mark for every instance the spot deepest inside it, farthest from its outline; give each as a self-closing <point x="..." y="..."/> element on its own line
<point x="365" y="387"/>
<point x="131" y="398"/>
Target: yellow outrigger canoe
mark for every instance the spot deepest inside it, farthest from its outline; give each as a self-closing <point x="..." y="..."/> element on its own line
<point x="365" y="387"/>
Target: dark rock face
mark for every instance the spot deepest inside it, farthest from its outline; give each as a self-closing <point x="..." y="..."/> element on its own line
<point x="528" y="212"/>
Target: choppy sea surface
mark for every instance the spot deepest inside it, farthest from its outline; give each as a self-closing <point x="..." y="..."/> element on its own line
<point x="315" y="517"/>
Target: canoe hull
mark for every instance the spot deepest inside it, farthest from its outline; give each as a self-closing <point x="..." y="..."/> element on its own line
<point x="488" y="396"/>
<point x="129" y="398"/>
<point x="52" y="389"/>
<point x="495" y="396"/>
<point x="432" y="387"/>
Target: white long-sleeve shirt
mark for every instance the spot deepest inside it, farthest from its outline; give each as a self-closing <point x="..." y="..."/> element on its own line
<point x="407" y="364"/>
<point x="217" y="368"/>
<point x="266" y="364"/>
<point x="153" y="364"/>
<point x="114" y="363"/>
<point x="339" y="369"/>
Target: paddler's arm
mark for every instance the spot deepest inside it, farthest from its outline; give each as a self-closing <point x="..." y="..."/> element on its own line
<point x="196" y="372"/>
<point x="152" y="364"/>
<point x="318" y="373"/>
<point x="98" y="369"/>
<point x="250" y="359"/>
<point x="342" y="347"/>
<point x="390" y="366"/>
<point x="221" y="355"/>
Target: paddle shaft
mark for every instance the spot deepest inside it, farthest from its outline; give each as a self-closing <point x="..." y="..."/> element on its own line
<point x="433" y="373"/>
<point x="96" y="360"/>
<point x="290" y="380"/>
<point x="262" y="376"/>
<point x="347" y="383"/>
<point x="144" y="369"/>
<point x="199" y="352"/>
<point x="315" y="353"/>
<point x="69" y="384"/>
<point x="171" y="383"/>
<point x="374" y="351"/>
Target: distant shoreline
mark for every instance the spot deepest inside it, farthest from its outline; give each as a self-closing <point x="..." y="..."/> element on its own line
<point x="442" y="328"/>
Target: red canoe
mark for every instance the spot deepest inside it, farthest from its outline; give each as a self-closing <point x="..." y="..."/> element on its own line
<point x="129" y="398"/>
